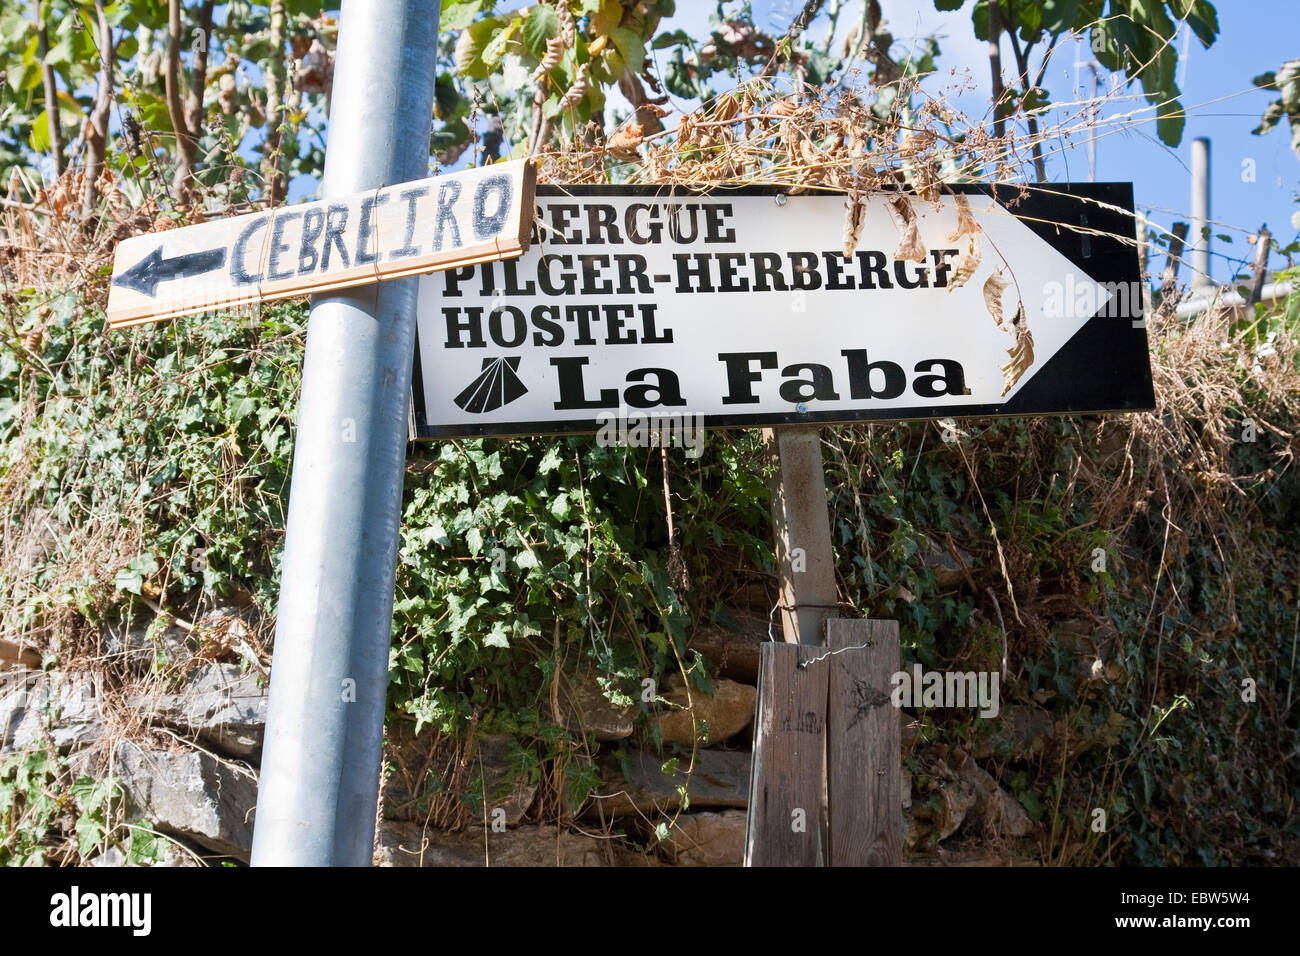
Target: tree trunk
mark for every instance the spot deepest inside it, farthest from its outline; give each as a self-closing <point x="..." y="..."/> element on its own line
<point x="51" y="90"/>
<point x="276" y="84"/>
<point x="1021" y="54"/>
<point x="187" y="119"/>
<point x="97" y="126"/>
<point x="995" y="63"/>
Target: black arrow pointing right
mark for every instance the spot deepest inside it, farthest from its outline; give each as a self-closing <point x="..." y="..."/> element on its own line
<point x="145" y="275"/>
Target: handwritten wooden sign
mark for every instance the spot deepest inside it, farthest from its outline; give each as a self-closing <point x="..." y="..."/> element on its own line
<point x="459" y="219"/>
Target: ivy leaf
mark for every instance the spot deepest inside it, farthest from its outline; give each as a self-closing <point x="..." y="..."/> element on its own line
<point x="89" y="834"/>
<point x="131" y="578"/>
<point x="497" y="637"/>
<point x="550" y="461"/>
<point x="147" y="845"/>
<point x="1033" y="806"/>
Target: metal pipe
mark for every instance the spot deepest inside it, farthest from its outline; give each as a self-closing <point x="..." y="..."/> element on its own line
<point x="1231" y="299"/>
<point x="1200" y="212"/>
<point x="320" y="761"/>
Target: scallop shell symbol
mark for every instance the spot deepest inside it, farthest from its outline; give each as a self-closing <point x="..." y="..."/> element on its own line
<point x="496" y="385"/>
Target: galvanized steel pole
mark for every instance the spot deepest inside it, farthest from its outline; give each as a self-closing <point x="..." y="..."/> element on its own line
<point x="1200" y="212"/>
<point x="320" y="762"/>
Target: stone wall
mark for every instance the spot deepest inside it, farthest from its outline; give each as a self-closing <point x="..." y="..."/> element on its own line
<point x="184" y="739"/>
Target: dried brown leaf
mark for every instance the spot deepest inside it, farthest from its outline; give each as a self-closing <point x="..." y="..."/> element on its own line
<point x="575" y="94"/>
<point x="994" y="286"/>
<point x="726" y="108"/>
<point x="966" y="224"/>
<point x="1021" y="353"/>
<point x="855" y="217"/>
<point x="910" y="247"/>
<point x="785" y="106"/>
<point x="554" y="50"/>
<point x="916" y="143"/>
<point x="968" y="260"/>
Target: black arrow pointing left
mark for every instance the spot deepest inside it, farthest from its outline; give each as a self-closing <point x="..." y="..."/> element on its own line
<point x="145" y="275"/>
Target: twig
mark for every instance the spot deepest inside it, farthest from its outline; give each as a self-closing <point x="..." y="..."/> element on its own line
<point x="784" y="46"/>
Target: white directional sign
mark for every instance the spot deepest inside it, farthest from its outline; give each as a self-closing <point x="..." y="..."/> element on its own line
<point x="742" y="306"/>
<point x="461" y="218"/>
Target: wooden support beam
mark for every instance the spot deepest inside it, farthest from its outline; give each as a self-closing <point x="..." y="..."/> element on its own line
<point x="801" y="527"/>
<point x="1261" y="266"/>
<point x="864" y="738"/>
<point x="785" y="784"/>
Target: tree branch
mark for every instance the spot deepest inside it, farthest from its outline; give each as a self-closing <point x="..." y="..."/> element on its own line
<point x="995" y="68"/>
<point x="97" y="125"/>
<point x="810" y="10"/>
<point x="1022" y="65"/>
<point x="276" y="84"/>
<point x="187" y="118"/>
<point x="186" y="148"/>
<point x="51" y="89"/>
<point x="1261" y="266"/>
<point x="199" y="74"/>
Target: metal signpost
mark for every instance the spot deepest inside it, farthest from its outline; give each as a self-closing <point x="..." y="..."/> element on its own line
<point x="319" y="784"/>
<point x="380" y="220"/>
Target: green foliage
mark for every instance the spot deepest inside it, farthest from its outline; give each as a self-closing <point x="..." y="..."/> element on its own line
<point x="162" y="456"/>
<point x="233" y="121"/>
<point x="489" y="61"/>
<point x="522" y="554"/>
<point x="35" y="809"/>
<point x="164" y="452"/>
<point x="1162" y="739"/>
<point x="1285" y="80"/>
<point x="28" y="807"/>
<point x="1131" y="37"/>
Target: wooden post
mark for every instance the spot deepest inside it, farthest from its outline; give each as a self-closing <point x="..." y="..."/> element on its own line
<point x="801" y="527"/>
<point x="1261" y="266"/>
<point x="826" y="778"/>
<point x="864" y="739"/>
<point x="1169" y="280"/>
<point x="788" y="770"/>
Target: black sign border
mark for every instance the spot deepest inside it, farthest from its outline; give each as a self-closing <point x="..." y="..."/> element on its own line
<point x="1113" y="352"/>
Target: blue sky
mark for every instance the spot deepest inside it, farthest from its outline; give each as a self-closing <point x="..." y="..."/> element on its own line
<point x="1256" y="36"/>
